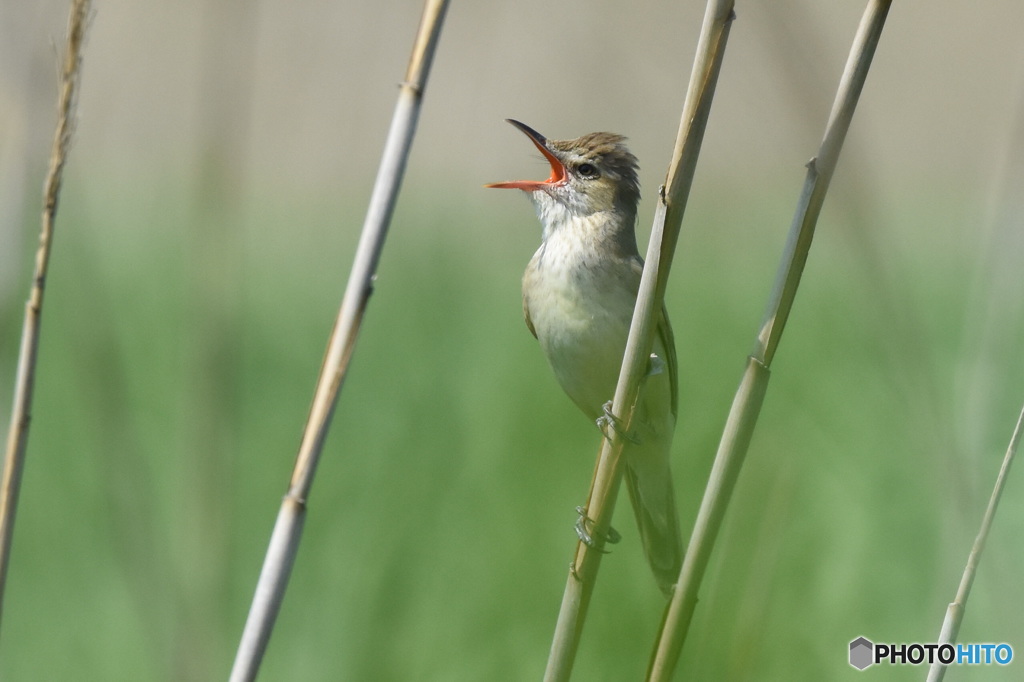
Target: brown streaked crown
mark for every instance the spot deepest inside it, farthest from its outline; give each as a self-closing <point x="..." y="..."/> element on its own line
<point x="609" y="153"/>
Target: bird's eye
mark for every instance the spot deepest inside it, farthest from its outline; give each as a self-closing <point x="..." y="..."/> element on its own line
<point x="587" y="170"/>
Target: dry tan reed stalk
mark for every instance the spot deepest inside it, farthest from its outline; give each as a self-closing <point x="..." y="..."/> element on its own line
<point x="17" y="436"/>
<point x="664" y="236"/>
<point x="750" y="394"/>
<point x="955" y="610"/>
<point x="284" y="540"/>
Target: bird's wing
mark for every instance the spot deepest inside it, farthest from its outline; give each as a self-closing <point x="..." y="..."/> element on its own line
<point x="526" y="318"/>
<point x="668" y="341"/>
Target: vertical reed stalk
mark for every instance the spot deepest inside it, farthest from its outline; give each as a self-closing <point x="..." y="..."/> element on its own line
<point x="750" y="394"/>
<point x="21" y="412"/>
<point x="284" y="540"/>
<point x="955" y="610"/>
<point x="664" y="236"/>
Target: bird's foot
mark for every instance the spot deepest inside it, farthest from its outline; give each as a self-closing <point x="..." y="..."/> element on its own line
<point x="608" y="420"/>
<point x="586" y="536"/>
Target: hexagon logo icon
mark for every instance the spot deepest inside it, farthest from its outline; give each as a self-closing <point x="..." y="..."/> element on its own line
<point x="861" y="650"/>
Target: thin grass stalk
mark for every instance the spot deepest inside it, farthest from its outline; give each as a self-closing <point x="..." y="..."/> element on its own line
<point x="749" y="396"/>
<point x="664" y="236"/>
<point x="955" y="611"/>
<point x="17" y="435"/>
<point x="287" y="531"/>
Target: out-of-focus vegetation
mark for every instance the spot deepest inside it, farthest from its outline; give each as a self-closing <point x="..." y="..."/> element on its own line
<point x="210" y="211"/>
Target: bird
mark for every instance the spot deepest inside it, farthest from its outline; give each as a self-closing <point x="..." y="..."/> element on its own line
<point x="579" y="292"/>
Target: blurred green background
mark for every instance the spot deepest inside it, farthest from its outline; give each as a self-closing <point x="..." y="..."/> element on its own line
<point x="222" y="163"/>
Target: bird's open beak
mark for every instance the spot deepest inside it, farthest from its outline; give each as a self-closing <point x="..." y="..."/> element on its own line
<point x="558" y="173"/>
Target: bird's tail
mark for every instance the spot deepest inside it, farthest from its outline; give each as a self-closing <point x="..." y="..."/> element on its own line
<point x="649" y="480"/>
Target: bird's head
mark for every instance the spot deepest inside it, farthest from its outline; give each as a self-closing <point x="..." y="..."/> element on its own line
<point x="592" y="174"/>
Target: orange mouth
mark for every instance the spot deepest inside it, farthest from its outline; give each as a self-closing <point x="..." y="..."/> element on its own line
<point x="558" y="173"/>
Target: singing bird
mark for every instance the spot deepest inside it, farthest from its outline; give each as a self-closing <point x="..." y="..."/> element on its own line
<point x="579" y="291"/>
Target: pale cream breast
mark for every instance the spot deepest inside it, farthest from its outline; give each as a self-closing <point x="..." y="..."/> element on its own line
<point x="580" y="305"/>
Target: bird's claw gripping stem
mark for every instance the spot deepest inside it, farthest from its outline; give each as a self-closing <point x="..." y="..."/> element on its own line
<point x="608" y="420"/>
<point x="584" y="534"/>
